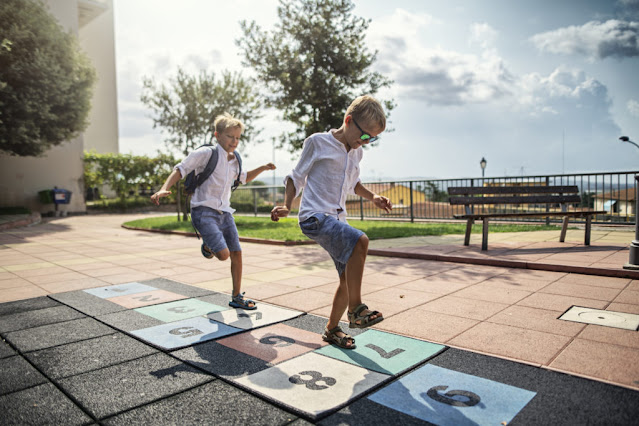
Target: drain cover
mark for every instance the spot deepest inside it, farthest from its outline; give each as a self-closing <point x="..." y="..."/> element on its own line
<point x="600" y="317"/>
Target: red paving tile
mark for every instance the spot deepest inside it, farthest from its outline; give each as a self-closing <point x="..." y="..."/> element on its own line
<point x="466" y="308"/>
<point x="612" y="363"/>
<point x="587" y="291"/>
<point x="512" y="342"/>
<point x="555" y="302"/>
<point x="430" y="326"/>
<point x="537" y="319"/>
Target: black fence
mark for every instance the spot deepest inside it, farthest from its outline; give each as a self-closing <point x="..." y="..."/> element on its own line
<point x="413" y="200"/>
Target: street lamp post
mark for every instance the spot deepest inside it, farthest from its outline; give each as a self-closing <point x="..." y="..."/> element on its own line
<point x="627" y="139"/>
<point x="482" y="164"/>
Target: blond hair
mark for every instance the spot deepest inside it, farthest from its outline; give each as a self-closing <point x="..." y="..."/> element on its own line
<point x="367" y="109"/>
<point x="226" y="120"/>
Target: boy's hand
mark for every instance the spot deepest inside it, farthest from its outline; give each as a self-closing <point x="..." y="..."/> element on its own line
<point x="269" y="166"/>
<point x="156" y="197"/>
<point x="383" y="203"/>
<point x="277" y="212"/>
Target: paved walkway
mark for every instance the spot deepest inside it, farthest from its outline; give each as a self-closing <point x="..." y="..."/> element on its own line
<point x="503" y="303"/>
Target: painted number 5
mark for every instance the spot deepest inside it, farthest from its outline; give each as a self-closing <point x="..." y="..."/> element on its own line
<point x="469" y="399"/>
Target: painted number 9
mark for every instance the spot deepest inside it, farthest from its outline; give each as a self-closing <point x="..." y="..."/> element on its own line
<point x="470" y="399"/>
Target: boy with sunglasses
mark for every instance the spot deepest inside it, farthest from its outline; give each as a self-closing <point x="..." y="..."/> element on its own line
<point x="328" y="171"/>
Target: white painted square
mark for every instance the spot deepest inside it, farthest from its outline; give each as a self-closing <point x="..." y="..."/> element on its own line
<point x="601" y="317"/>
<point x="264" y="314"/>
<point x="119" y="290"/>
<point x="184" y="333"/>
<point x="313" y="383"/>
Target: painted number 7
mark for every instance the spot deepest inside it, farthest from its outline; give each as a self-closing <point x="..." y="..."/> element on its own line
<point x="383" y="353"/>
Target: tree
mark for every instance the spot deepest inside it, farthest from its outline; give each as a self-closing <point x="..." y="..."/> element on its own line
<point x="313" y="64"/>
<point x="187" y="107"/>
<point x="46" y="82"/>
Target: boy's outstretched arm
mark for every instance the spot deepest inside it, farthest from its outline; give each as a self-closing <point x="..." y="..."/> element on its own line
<point x="289" y="196"/>
<point x="252" y="174"/>
<point x="173" y="178"/>
<point x="380" y="201"/>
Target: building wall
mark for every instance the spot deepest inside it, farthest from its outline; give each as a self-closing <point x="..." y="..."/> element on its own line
<point x="21" y="178"/>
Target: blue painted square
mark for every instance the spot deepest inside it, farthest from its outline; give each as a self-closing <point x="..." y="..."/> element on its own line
<point x="179" y="310"/>
<point x="384" y="352"/>
<point x="119" y="290"/>
<point x="446" y="397"/>
<point x="184" y="333"/>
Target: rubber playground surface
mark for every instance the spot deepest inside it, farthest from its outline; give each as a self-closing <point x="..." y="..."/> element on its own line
<point x="102" y="325"/>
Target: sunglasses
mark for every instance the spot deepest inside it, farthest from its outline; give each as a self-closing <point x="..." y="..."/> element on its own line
<point x="365" y="136"/>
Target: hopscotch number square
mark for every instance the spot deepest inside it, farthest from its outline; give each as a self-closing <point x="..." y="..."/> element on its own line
<point x="450" y="398"/>
<point x="184" y="333"/>
<point x="263" y="315"/>
<point x="312" y="383"/>
<point x="179" y="310"/>
<point x="384" y="352"/>
<point x="275" y="343"/>
<point x="119" y="290"/>
<point x="154" y="297"/>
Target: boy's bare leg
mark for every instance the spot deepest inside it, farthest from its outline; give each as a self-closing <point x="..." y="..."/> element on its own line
<point x="355" y="273"/>
<point x="236" y="273"/>
<point x="340" y="303"/>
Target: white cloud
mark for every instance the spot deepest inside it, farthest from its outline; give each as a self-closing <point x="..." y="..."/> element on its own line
<point x="633" y="107"/>
<point x="596" y="40"/>
<point x="482" y="35"/>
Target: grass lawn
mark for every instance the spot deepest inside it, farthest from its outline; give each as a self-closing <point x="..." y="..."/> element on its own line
<point x="287" y="229"/>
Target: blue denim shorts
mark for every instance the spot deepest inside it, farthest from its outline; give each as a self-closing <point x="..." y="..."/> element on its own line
<point x="337" y="238"/>
<point x="218" y="230"/>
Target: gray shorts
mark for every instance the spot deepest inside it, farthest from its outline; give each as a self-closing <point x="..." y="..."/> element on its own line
<point x="337" y="238"/>
<point x="218" y="230"/>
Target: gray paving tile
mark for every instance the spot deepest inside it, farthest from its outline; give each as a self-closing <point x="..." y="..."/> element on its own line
<point x="217" y="299"/>
<point x="87" y="303"/>
<point x="367" y="412"/>
<point x="18" y="306"/>
<point x="215" y="403"/>
<point x="316" y="324"/>
<point x="41" y="405"/>
<point x="114" y="389"/>
<point x="6" y="350"/>
<point x="17" y="374"/>
<point x="221" y="360"/>
<point x="87" y="355"/>
<point x="30" y="319"/>
<point x="129" y="320"/>
<point x="176" y="287"/>
<point x="47" y="336"/>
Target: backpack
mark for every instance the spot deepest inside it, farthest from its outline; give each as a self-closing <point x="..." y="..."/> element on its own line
<point x="192" y="180"/>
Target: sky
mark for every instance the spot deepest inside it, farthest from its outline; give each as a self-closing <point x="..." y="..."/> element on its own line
<point x="534" y="87"/>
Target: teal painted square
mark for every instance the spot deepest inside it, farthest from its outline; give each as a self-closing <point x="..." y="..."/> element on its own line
<point x="450" y="398"/>
<point x="179" y="310"/>
<point x="384" y="352"/>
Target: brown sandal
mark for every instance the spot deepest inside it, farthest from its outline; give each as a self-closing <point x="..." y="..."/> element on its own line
<point x="331" y="336"/>
<point x="362" y="321"/>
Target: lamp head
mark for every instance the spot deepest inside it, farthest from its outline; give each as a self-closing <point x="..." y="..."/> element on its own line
<point x="483" y="162"/>
<point x="624" y="138"/>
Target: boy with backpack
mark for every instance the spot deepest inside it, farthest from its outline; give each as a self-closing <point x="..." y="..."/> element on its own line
<point x="328" y="171"/>
<point x="217" y="171"/>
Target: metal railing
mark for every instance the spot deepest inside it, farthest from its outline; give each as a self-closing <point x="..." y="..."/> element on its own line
<point x="428" y="199"/>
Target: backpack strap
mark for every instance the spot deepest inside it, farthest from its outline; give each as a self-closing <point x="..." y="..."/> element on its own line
<point x="237" y="181"/>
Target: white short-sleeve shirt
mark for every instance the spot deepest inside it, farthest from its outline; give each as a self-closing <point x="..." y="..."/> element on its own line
<point x="215" y="192"/>
<point x="327" y="173"/>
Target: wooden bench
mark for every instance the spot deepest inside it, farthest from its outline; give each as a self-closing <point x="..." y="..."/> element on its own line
<point x="517" y="195"/>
